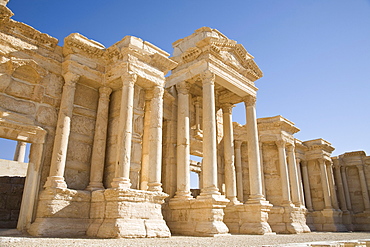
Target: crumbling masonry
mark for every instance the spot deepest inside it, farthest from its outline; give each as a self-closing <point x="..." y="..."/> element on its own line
<point x="112" y="140"/>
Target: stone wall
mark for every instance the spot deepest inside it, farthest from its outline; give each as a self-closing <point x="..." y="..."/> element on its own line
<point x="11" y="190"/>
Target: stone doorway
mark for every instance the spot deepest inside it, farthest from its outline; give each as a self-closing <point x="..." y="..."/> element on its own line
<point x="13" y="170"/>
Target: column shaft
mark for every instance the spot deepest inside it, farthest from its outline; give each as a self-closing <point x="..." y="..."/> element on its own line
<point x="306" y="185"/>
<point x="293" y="175"/>
<point x="325" y="184"/>
<point x="255" y="174"/>
<point x="365" y="193"/>
<point x="209" y="136"/>
<point x="59" y="155"/>
<point x="230" y="177"/>
<point x="333" y="193"/>
<point x="338" y="178"/>
<point x="239" y="170"/>
<point x="123" y="158"/>
<point x="183" y="141"/>
<point x="284" y="172"/>
<point x="146" y="144"/>
<point x="300" y="182"/>
<point x="20" y="151"/>
<point x="100" y="139"/>
<point x="345" y="187"/>
<point x="155" y="140"/>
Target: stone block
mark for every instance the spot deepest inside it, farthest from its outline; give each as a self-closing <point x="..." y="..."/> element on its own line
<point x="122" y="228"/>
<point x="17" y="105"/>
<point x="59" y="227"/>
<point x="20" y="89"/>
<point x="47" y="115"/>
<point x="157" y="229"/>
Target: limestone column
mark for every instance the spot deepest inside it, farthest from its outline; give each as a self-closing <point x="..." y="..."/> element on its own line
<point x="209" y="136"/>
<point x="345" y="187"/>
<point x="306" y="185"/>
<point x="197" y="117"/>
<point x="338" y="179"/>
<point x="262" y="172"/>
<point x="300" y="181"/>
<point x="59" y="154"/>
<point x="255" y="174"/>
<point x="325" y="184"/>
<point x="365" y="193"/>
<point x="123" y="158"/>
<point x="239" y="171"/>
<point x="183" y="141"/>
<point x="155" y="140"/>
<point x="333" y="193"/>
<point x="283" y="172"/>
<point x="293" y="175"/>
<point x="20" y="151"/>
<point x="146" y="144"/>
<point x="100" y="139"/>
<point x="230" y="177"/>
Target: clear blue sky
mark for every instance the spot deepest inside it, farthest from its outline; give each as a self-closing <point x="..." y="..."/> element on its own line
<point x="315" y="54"/>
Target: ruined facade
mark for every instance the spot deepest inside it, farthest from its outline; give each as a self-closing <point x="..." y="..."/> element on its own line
<point x="112" y="140"/>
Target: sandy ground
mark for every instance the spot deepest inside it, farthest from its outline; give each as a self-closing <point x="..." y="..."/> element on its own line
<point x="13" y="238"/>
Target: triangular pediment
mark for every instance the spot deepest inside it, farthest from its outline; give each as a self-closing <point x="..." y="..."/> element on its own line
<point x="210" y="41"/>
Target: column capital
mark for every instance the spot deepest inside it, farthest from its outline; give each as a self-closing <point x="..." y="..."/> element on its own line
<point x="360" y="167"/>
<point x="183" y="87"/>
<point x="322" y="161"/>
<point x="105" y="92"/>
<point x="227" y="108"/>
<point x="157" y="91"/>
<point x="304" y="162"/>
<point x="129" y="78"/>
<point x="280" y="143"/>
<point x="70" y="79"/>
<point x="249" y="100"/>
<point x="290" y="148"/>
<point x="238" y="144"/>
<point x="208" y="77"/>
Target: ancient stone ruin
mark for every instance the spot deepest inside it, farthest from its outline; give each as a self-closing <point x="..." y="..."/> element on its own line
<point x="112" y="141"/>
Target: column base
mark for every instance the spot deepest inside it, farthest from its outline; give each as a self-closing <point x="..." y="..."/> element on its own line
<point x="121" y="183"/>
<point x="55" y="182"/>
<point x="95" y="186"/>
<point x="59" y="213"/>
<point x="249" y="218"/>
<point x="202" y="216"/>
<point x="329" y="220"/>
<point x="119" y="213"/>
<point x="288" y="219"/>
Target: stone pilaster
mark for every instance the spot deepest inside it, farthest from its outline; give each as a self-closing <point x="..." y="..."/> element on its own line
<point x="306" y="185"/>
<point x="100" y="139"/>
<point x="123" y="158"/>
<point x="59" y="155"/>
<point x="144" y="176"/>
<point x="365" y="192"/>
<point x="325" y="183"/>
<point x="239" y="171"/>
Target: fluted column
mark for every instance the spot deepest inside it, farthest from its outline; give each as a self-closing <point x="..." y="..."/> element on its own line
<point x="306" y="185"/>
<point x="333" y="193"/>
<point x="230" y="176"/>
<point x="324" y="183"/>
<point x="123" y="158"/>
<point x="183" y="141"/>
<point x="155" y="140"/>
<point x="209" y="135"/>
<point x="338" y="179"/>
<point x="20" y="151"/>
<point x="345" y="187"/>
<point x="239" y="170"/>
<point x="100" y="139"/>
<point x="293" y="175"/>
<point x="59" y="155"/>
<point x="365" y="193"/>
<point x="144" y="175"/>
<point x="255" y="173"/>
<point x="283" y="172"/>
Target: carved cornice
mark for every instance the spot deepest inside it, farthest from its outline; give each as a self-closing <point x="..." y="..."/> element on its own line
<point x="91" y="47"/>
<point x="29" y="34"/>
<point x="5" y="13"/>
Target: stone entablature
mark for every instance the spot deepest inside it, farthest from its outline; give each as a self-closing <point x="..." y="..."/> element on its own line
<point x="111" y="134"/>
